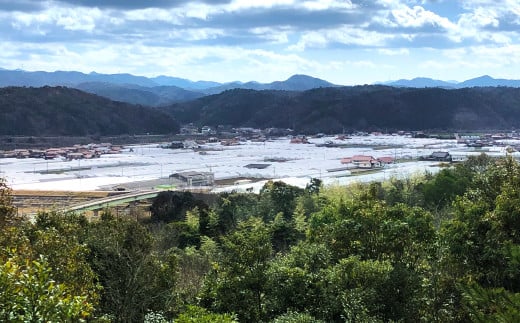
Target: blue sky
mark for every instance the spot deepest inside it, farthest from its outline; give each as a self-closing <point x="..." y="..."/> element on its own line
<point x="343" y="41"/>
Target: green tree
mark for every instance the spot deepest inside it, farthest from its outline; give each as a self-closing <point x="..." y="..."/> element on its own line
<point x="491" y="304"/>
<point x="295" y="317"/>
<point x="171" y="206"/>
<point x="231" y="209"/>
<point x="276" y="197"/>
<point x="295" y="280"/>
<point x="283" y="232"/>
<point x="195" y="314"/>
<point x="372" y="230"/>
<point x="59" y="237"/>
<point x="237" y="283"/>
<point x="7" y="209"/>
<point x="442" y="189"/>
<point x="134" y="279"/>
<point x="29" y="293"/>
<point x="356" y="291"/>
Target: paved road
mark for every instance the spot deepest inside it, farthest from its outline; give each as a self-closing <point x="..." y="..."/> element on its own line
<point x="112" y="201"/>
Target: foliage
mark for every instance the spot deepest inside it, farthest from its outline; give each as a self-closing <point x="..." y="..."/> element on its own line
<point x="51" y="111"/>
<point x="7" y="209"/>
<point x="28" y="293"/>
<point x="441" y="247"/>
<point x="195" y="314"/>
<point x="170" y="206"/>
<point x="295" y="317"/>
<point x="237" y="282"/>
<point x="369" y="107"/>
<point x="491" y="304"/>
<point x="133" y="278"/>
<point x="278" y="197"/>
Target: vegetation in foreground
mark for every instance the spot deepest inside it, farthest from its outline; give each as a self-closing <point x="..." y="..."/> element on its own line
<point x="435" y="248"/>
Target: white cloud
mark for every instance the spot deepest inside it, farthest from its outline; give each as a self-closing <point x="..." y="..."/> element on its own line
<point x="480" y="17"/>
<point x="310" y="39"/>
<point x="237" y="5"/>
<point x="80" y="19"/>
<point x="499" y="61"/>
<point x="418" y="17"/>
<point x="327" y="4"/>
<point x="272" y="35"/>
<point x="195" y="34"/>
<point x="152" y="14"/>
<point x="346" y="35"/>
<point x="394" y="52"/>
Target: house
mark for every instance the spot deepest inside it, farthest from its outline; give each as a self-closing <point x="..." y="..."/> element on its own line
<point x="207" y="130"/>
<point x="443" y="156"/>
<point x="34" y="153"/>
<point x="195" y="178"/>
<point x="386" y="160"/>
<point x="72" y="156"/>
<point x="22" y="153"/>
<point x="189" y="129"/>
<point x="257" y="166"/>
<point x="299" y="140"/>
<point x="190" y="144"/>
<point x="361" y="161"/>
<point x="176" y="145"/>
<point x="459" y="158"/>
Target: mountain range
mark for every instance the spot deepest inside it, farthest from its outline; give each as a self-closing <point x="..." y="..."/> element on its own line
<point x="481" y="81"/>
<point x="165" y="90"/>
<point x="369" y="107"/>
<point x="62" y="111"/>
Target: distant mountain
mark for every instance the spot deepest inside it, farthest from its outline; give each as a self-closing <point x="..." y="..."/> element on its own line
<point x="61" y="78"/>
<point x="421" y="82"/>
<point x="156" y="91"/>
<point x="183" y="83"/>
<point x="482" y="81"/>
<point x="60" y="111"/>
<point x="294" y="83"/>
<point x="165" y="90"/>
<point x="376" y="107"/>
<point x="487" y="80"/>
<point x="299" y="83"/>
<point x="150" y="96"/>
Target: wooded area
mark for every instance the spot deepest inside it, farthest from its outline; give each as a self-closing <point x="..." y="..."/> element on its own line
<point x="61" y="111"/>
<point x="439" y="247"/>
<point x="357" y="108"/>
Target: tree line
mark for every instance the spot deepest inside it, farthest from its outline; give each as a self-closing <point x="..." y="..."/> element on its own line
<point x="61" y="111"/>
<point x="441" y="247"/>
<point x="357" y="108"/>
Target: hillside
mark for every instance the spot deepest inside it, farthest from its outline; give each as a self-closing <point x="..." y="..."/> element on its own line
<point x="294" y="83"/>
<point x="358" y="108"/>
<point x="150" y="96"/>
<point x="50" y="111"/>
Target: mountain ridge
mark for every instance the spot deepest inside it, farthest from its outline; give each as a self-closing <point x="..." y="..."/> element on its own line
<point x="166" y="90"/>
<point x="61" y="111"/>
<point x="370" y="107"/>
<point x="156" y="91"/>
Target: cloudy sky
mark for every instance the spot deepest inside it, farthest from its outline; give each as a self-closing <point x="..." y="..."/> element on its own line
<point x="343" y="41"/>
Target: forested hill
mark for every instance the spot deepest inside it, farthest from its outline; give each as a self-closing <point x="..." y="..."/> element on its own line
<point x="358" y="108"/>
<point x="50" y="111"/>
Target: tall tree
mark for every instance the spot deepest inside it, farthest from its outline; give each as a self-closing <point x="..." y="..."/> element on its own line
<point x="134" y="280"/>
<point x="237" y="284"/>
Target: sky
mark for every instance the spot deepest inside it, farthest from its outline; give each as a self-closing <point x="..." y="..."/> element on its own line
<point x="345" y="42"/>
